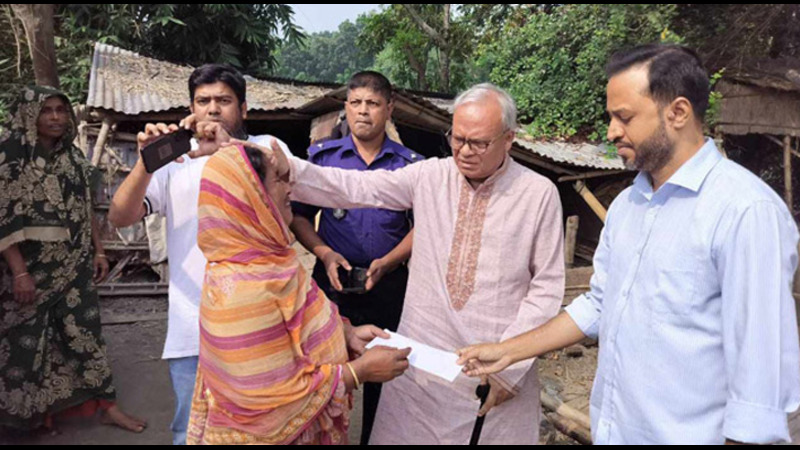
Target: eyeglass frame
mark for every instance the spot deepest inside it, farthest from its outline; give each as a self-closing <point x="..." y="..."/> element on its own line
<point x="478" y="146"/>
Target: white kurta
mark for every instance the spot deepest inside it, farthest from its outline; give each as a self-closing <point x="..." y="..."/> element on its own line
<point x="487" y="265"/>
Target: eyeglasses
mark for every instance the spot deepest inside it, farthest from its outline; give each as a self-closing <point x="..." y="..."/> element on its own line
<point x="476" y="145"/>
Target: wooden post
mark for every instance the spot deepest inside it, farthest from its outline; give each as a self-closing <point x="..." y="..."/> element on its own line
<point x="591" y="200"/>
<point x="83" y="138"/>
<point x="101" y="141"/>
<point x="569" y="428"/>
<point x="557" y="406"/>
<point x="787" y="167"/>
<point x="571" y="240"/>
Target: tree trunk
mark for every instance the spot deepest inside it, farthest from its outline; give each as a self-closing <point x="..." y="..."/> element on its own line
<point x="440" y="40"/>
<point x="445" y="69"/>
<point x="419" y="67"/>
<point x="37" y="19"/>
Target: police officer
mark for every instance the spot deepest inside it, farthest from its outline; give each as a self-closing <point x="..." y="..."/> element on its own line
<point x="361" y="253"/>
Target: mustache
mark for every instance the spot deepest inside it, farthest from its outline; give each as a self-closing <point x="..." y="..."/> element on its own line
<point x="621" y="143"/>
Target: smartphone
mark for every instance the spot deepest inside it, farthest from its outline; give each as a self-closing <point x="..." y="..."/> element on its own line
<point x="166" y="149"/>
<point x="353" y="281"/>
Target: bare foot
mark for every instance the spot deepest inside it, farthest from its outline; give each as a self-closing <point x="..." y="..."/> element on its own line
<point x="115" y="416"/>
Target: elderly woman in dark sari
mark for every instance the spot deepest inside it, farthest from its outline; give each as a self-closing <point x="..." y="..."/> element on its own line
<point x="52" y="355"/>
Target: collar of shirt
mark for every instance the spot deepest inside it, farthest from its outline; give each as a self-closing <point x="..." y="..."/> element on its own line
<point x="690" y="176"/>
<point x="389" y="147"/>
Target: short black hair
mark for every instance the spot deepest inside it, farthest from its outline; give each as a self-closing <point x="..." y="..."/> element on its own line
<point x="673" y="71"/>
<point x="372" y="80"/>
<point x="212" y="73"/>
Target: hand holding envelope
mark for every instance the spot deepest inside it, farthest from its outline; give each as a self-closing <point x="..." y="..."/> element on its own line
<point x="424" y="357"/>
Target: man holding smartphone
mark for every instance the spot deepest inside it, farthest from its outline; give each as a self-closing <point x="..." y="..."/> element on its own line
<point x="219" y="108"/>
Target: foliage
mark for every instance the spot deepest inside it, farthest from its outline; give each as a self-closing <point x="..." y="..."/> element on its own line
<point x="553" y="64"/>
<point x="732" y="35"/>
<point x="412" y="58"/>
<point x="714" y="102"/>
<point x="243" y="35"/>
<point x="550" y="57"/>
<point x="327" y="56"/>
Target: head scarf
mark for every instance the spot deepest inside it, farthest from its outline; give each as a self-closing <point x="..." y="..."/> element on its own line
<point x="41" y="190"/>
<point x="270" y="341"/>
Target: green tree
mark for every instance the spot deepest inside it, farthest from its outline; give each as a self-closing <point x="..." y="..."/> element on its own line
<point x="327" y="56"/>
<point x="243" y="35"/>
<point x="37" y="21"/>
<point x="732" y="35"/>
<point x="420" y="46"/>
<point x="15" y="65"/>
<point x="552" y="62"/>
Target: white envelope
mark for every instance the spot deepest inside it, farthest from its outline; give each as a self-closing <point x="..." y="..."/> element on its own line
<point x="424" y="357"/>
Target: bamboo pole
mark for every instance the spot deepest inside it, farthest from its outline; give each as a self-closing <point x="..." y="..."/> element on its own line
<point x="99" y="146"/>
<point x="124" y="137"/>
<point x="597" y="174"/>
<point x="567" y="419"/>
<point x="570" y="429"/>
<point x="591" y="200"/>
<point x="83" y="138"/>
<point x="562" y="409"/>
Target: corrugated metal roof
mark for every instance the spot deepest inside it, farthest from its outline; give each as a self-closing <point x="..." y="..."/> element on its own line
<point x="579" y="155"/>
<point x="129" y="83"/>
<point x="441" y="103"/>
<point x="126" y="82"/>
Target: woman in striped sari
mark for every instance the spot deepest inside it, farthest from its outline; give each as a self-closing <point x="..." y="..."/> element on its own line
<point x="273" y="350"/>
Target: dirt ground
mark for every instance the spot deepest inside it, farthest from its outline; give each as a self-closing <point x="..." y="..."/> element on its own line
<point x="141" y="378"/>
<point x="144" y="390"/>
<point x="135" y="328"/>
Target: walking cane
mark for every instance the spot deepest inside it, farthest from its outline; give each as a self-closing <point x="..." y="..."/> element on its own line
<point x="482" y="392"/>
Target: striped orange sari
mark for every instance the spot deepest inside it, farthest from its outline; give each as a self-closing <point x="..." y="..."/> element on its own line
<point x="271" y="344"/>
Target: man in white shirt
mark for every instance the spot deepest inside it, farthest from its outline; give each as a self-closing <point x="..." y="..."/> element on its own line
<point x="219" y="108"/>
<point x="691" y="297"/>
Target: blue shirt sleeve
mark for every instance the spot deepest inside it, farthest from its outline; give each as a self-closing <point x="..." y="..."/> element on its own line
<point x="756" y="260"/>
